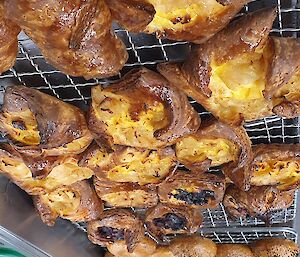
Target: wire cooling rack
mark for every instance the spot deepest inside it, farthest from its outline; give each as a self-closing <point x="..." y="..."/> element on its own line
<point x="32" y="70"/>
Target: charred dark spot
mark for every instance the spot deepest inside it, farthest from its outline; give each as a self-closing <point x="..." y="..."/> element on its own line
<point x="197" y="198"/>
<point x="182" y="20"/>
<point x="18" y="124"/>
<point x="111" y="234"/>
<point x="171" y="221"/>
<point x="106" y="110"/>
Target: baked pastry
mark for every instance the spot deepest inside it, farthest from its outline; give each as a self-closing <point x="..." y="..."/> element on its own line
<point x="215" y="144"/>
<point x="43" y="175"/>
<point x="142" y="110"/>
<point x="73" y="36"/>
<point x="209" y="74"/>
<point x="144" y="248"/>
<point x="275" y="247"/>
<point x="165" y="219"/>
<point x="257" y="202"/>
<point x="39" y="124"/>
<point x="125" y="195"/>
<point x="234" y="250"/>
<point x="8" y="41"/>
<point x="193" y="246"/>
<point x="116" y="225"/>
<point x="177" y="20"/>
<point x="192" y="189"/>
<point x="77" y="202"/>
<point x="276" y="165"/>
<point x="128" y="164"/>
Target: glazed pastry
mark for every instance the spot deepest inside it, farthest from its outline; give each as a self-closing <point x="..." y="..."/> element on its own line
<point x="215" y="144"/>
<point x="73" y="36"/>
<point x="177" y="20"/>
<point x="128" y="164"/>
<point x="39" y="124"/>
<point x="165" y="219"/>
<point x="234" y="250"/>
<point x="125" y="195"/>
<point x="142" y="110"/>
<point x="116" y="225"/>
<point x="275" y="247"/>
<point x="193" y="246"/>
<point x="77" y="202"/>
<point x="257" y="202"/>
<point x="42" y="175"/>
<point x="193" y="190"/>
<point x="209" y="74"/>
<point x="276" y="165"/>
<point x="8" y="41"/>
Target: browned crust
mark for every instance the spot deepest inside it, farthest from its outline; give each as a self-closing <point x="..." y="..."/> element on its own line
<point x="241" y="36"/>
<point x="234" y="250"/>
<point x="8" y="41"/>
<point x="275" y="247"/>
<point x="90" y="207"/>
<point x="140" y="84"/>
<point x="206" y="181"/>
<point x="74" y="36"/>
<point x="59" y="123"/>
<point x="119" y="219"/>
<point x="193" y="220"/>
<point x="104" y="187"/>
<point x="133" y="15"/>
<point x="257" y="202"/>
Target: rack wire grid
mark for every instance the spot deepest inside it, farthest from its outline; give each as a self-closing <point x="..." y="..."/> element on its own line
<point x="32" y="70"/>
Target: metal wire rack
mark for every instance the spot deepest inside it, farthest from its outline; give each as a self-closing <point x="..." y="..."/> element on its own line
<point x="32" y="70"/>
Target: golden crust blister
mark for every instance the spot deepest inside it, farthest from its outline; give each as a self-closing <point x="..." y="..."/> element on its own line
<point x="194" y="21"/>
<point x="75" y="37"/>
<point x="142" y="110"/>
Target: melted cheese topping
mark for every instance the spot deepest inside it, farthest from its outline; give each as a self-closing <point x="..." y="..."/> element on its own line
<point x="114" y="111"/>
<point x="124" y="199"/>
<point x="63" y="201"/>
<point x="281" y="173"/>
<point x="237" y="87"/>
<point x="65" y="174"/>
<point x="180" y="14"/>
<point x="219" y="151"/>
<point x="28" y="133"/>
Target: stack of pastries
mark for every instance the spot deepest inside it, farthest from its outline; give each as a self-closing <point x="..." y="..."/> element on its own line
<point x="125" y="152"/>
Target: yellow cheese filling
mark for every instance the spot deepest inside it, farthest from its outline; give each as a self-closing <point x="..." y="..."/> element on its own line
<point x="237" y="86"/>
<point x="179" y="14"/>
<point x="219" y="151"/>
<point x="22" y="127"/>
<point x="282" y="173"/>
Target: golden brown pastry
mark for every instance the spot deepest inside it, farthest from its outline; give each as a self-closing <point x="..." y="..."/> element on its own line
<point x="193" y="246"/>
<point x="234" y="250"/>
<point x="192" y="190"/>
<point x="128" y="164"/>
<point x="77" y="202"/>
<point x="74" y="36"/>
<point x="257" y="202"/>
<point x="209" y="75"/>
<point x="165" y="219"/>
<point x="8" y="41"/>
<point x="195" y="20"/>
<point x="45" y="174"/>
<point x="275" y="247"/>
<point x="215" y="144"/>
<point x="144" y="248"/>
<point x="142" y="110"/>
<point x="276" y="165"/>
<point x="39" y="124"/>
<point x="125" y="195"/>
<point x="116" y="225"/>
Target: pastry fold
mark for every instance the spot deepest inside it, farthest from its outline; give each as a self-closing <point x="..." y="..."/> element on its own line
<point x="194" y="190"/>
<point x="142" y="110"/>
